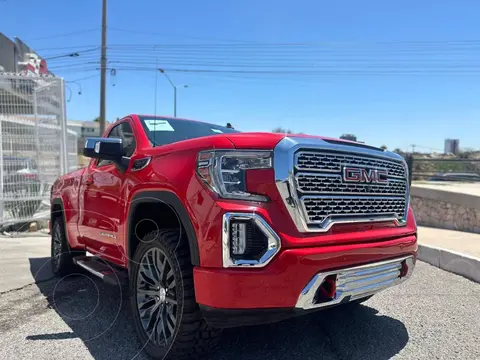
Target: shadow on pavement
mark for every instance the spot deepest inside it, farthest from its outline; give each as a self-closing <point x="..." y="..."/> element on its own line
<point x="39" y="270"/>
<point x="99" y="315"/>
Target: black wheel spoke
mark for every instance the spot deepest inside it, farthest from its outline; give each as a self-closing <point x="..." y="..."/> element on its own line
<point x="161" y="265"/>
<point x="155" y="333"/>
<point x="170" y="275"/>
<point x="146" y="278"/>
<point x="172" y="284"/>
<point x="171" y="299"/>
<point x="171" y="317"/>
<point x="162" y="324"/>
<point x="147" y="314"/>
<point x="147" y="273"/>
<point x="142" y="302"/>
<point x="147" y="292"/>
<point x="171" y="328"/>
<point x="152" y="268"/>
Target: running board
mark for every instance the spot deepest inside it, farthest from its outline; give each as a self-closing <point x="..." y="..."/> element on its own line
<point x="101" y="269"/>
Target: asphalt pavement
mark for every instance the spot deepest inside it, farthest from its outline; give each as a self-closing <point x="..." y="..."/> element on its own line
<point x="434" y="315"/>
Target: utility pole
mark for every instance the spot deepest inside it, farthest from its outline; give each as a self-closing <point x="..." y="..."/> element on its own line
<point x="103" y="69"/>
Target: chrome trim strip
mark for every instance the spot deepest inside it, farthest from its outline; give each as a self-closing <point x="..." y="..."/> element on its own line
<point x="357" y="282"/>
<point x="273" y="240"/>
<point x="284" y="165"/>
<point x="82" y="264"/>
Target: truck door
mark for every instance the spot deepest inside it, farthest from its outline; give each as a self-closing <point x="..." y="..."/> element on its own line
<point x="102" y="200"/>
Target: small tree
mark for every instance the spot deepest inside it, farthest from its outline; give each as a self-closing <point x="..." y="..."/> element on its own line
<point x="384" y="147"/>
<point x="97" y="119"/>
<point x="282" y="130"/>
<point x="398" y="151"/>
<point x="350" y="137"/>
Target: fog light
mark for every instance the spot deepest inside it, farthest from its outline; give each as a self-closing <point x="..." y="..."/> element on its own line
<point x="238" y="236"/>
<point x="248" y="240"/>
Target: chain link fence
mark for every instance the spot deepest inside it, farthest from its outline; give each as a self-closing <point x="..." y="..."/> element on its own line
<point x="35" y="148"/>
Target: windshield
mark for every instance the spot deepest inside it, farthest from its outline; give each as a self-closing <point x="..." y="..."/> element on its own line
<point x="162" y="131"/>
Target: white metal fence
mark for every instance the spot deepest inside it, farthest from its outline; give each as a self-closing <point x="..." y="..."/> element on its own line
<point x="36" y="146"/>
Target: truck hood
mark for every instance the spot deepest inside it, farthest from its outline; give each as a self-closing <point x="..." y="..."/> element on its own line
<point x="268" y="141"/>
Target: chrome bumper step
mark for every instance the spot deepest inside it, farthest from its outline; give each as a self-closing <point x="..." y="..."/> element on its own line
<point x="356" y="282"/>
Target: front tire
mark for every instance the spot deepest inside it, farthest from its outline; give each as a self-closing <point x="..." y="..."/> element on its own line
<point x="61" y="254"/>
<point x="166" y="316"/>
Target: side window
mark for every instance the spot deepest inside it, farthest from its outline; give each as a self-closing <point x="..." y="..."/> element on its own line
<point x="128" y="139"/>
<point x="122" y="131"/>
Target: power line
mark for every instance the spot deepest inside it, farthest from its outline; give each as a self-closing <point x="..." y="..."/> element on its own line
<point x="325" y="65"/>
<point x="178" y="36"/>
<point x="77" y="47"/>
<point x="279" y="64"/>
<point x="272" y="49"/>
<point x="65" y="34"/>
<point x="71" y="54"/>
<point x="286" y="68"/>
<point x="290" y="49"/>
<point x="240" y="42"/>
<point x="83" y="78"/>
<point x="301" y="72"/>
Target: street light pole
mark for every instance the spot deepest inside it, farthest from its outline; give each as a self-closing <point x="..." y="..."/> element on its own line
<point x="174" y="91"/>
<point x="174" y="101"/>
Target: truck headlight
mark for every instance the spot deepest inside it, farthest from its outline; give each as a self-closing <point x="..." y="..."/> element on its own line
<point x="225" y="171"/>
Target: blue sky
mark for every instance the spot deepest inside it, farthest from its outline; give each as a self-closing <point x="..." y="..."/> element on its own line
<point x="416" y="63"/>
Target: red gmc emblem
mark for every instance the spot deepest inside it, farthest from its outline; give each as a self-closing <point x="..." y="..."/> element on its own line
<point x="362" y="175"/>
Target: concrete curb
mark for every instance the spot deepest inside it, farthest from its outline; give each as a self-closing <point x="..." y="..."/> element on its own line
<point x="457" y="263"/>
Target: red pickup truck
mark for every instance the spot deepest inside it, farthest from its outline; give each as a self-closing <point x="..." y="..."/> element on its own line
<point x="215" y="228"/>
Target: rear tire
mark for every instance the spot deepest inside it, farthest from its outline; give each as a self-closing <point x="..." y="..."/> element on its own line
<point x="166" y="316"/>
<point x="61" y="254"/>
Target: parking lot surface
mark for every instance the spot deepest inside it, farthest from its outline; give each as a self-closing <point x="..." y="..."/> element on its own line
<point x="435" y="315"/>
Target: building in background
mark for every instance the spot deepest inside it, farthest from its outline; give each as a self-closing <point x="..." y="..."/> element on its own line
<point x="452" y="146"/>
<point x="17" y="57"/>
<point x="84" y="129"/>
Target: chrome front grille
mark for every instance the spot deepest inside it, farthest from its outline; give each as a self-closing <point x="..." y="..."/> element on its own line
<point x="327" y="182"/>
<point x="325" y="195"/>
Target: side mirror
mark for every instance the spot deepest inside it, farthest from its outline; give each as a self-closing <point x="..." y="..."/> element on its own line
<point x="104" y="149"/>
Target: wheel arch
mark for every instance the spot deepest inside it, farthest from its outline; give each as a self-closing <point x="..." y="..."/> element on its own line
<point x="170" y="199"/>
<point x="56" y="206"/>
<point x="57" y="210"/>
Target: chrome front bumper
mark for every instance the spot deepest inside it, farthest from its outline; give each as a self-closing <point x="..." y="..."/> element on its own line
<point x="356" y="282"/>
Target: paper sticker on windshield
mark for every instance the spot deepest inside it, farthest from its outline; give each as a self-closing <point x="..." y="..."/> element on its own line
<point x="158" y="125"/>
<point x="217" y="131"/>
